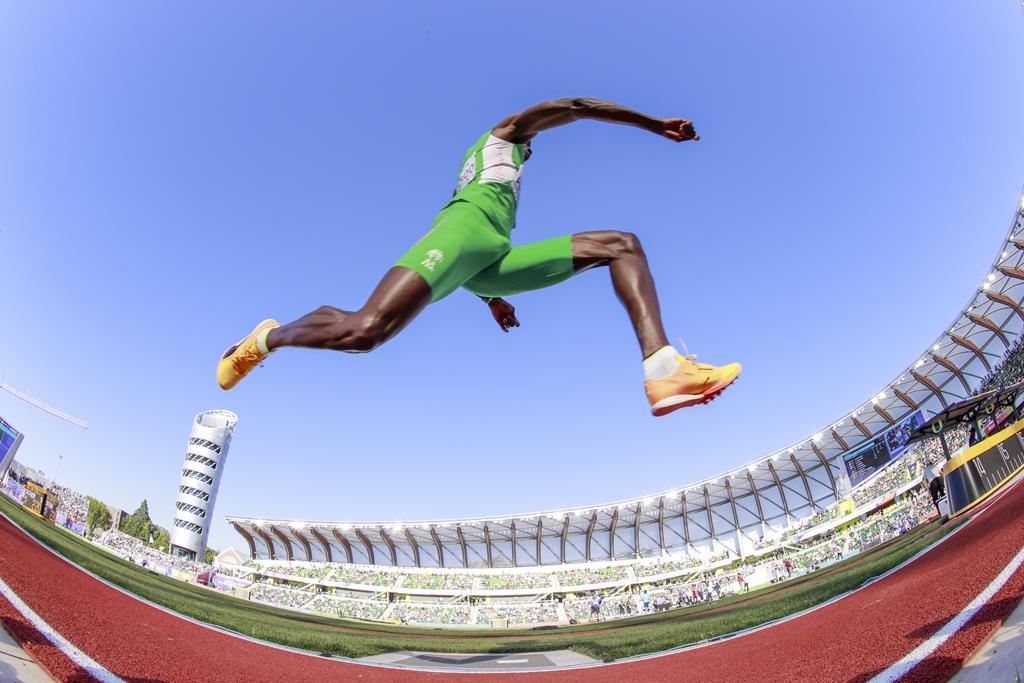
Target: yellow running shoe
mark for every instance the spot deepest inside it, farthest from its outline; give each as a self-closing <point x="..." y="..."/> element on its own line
<point x="690" y="384"/>
<point x="239" y="360"/>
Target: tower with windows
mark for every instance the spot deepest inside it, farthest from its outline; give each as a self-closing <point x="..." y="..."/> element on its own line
<point x="205" y="457"/>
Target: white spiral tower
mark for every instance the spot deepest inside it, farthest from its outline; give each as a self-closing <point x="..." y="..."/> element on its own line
<point x="205" y="458"/>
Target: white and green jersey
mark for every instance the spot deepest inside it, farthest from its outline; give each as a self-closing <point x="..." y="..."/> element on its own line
<point x="489" y="179"/>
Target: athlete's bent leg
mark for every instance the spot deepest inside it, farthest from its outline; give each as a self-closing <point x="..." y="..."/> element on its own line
<point x="399" y="298"/>
<point x="631" y="278"/>
<point x="671" y="381"/>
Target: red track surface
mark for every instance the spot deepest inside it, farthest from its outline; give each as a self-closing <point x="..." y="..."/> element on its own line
<point x="850" y="640"/>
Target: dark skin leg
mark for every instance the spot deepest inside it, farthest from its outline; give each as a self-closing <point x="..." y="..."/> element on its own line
<point x="399" y="298"/>
<point x="631" y="278"/>
<point x="402" y="294"/>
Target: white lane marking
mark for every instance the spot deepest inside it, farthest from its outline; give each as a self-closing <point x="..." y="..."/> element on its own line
<point x="512" y="661"/>
<point x="73" y="653"/>
<point x="922" y="651"/>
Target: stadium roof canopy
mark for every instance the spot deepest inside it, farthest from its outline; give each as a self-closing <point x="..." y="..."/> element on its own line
<point x="726" y="512"/>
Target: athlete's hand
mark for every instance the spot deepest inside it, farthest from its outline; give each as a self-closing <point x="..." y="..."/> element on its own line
<point x="504" y="314"/>
<point x="677" y="130"/>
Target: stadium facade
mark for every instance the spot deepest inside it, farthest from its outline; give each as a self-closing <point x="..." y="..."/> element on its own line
<point x="205" y="458"/>
<point x="730" y="512"/>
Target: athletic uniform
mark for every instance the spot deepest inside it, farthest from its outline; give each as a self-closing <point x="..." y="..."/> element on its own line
<point x="469" y="244"/>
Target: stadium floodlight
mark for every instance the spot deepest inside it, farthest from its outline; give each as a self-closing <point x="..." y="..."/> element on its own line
<point x="986" y="285"/>
<point x="752" y="468"/>
<point x="817" y="437"/>
<point x="777" y="456"/>
<point x="919" y="363"/>
<point x="992" y="276"/>
<point x="260" y="523"/>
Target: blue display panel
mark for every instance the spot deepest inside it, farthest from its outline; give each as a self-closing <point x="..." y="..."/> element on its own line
<point x="10" y="439"/>
<point x="872" y="456"/>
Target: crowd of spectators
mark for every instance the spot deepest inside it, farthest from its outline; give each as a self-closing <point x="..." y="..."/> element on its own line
<point x="301" y="570"/>
<point x="448" y="582"/>
<point x="897" y="474"/>
<point x="354" y="574"/>
<point x="511" y="581"/>
<point x="354" y="608"/>
<point x="279" y="596"/>
<point x="73" y="505"/>
<point x="431" y="613"/>
<point x="244" y="572"/>
<point x="891" y="522"/>
<point x="134" y="550"/>
<point x="1009" y="370"/>
<point x="645" y="569"/>
<point x="523" y="613"/>
<point x="586" y="576"/>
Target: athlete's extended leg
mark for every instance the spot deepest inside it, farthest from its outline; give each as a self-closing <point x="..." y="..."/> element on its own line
<point x="460" y="244"/>
<point x="631" y="278"/>
<point x="399" y="298"/>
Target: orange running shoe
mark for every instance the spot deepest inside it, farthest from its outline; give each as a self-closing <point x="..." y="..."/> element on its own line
<point x="239" y="360"/>
<point x="690" y="384"/>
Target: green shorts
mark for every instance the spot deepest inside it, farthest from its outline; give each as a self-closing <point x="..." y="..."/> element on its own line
<point x="464" y="249"/>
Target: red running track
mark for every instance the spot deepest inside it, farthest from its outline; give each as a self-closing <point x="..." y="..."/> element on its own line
<point x="847" y="641"/>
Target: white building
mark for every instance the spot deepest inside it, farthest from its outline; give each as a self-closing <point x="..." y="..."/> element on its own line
<point x="205" y="458"/>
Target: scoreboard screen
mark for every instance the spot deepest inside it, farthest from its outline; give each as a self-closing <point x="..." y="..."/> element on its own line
<point x="868" y="458"/>
<point x="10" y="439"/>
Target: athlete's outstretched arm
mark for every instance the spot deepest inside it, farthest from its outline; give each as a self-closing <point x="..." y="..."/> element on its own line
<point x="522" y="127"/>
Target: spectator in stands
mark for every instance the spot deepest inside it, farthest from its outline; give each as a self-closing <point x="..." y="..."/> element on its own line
<point x="595" y="607"/>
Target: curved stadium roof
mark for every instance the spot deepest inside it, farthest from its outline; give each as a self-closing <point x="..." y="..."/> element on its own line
<point x="730" y="511"/>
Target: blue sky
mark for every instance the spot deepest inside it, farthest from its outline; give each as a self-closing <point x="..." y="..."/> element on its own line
<point x="172" y="175"/>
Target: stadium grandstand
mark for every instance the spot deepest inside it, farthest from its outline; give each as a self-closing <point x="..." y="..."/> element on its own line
<point x="725" y="517"/>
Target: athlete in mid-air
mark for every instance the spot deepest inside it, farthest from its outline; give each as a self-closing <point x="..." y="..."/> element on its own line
<point x="469" y="246"/>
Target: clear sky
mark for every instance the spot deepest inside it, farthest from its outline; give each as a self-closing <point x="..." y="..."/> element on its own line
<point x="171" y="175"/>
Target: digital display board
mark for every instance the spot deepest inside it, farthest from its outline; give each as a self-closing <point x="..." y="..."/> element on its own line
<point x="10" y="439"/>
<point x="868" y="458"/>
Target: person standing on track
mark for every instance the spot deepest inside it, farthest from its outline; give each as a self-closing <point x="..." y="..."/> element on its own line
<point x="469" y="246"/>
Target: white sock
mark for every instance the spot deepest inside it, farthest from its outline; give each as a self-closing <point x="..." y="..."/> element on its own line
<point x="661" y="363"/>
<point x="261" y="341"/>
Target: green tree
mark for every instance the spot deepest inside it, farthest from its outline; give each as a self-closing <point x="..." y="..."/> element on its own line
<point x="138" y="523"/>
<point x="98" y="517"/>
<point x="210" y="554"/>
<point x="161" y="539"/>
